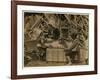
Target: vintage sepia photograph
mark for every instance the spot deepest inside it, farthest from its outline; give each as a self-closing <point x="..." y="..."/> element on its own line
<point x="55" y="39"/>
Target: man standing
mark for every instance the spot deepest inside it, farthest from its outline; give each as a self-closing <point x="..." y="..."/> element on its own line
<point x="67" y="43"/>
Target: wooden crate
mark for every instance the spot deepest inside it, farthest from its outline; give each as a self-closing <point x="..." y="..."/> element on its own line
<point x="83" y="54"/>
<point x="55" y="54"/>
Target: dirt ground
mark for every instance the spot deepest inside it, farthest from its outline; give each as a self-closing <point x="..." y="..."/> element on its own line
<point x="44" y="63"/>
